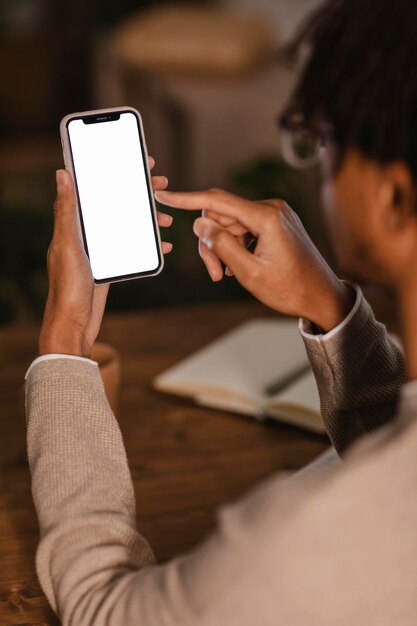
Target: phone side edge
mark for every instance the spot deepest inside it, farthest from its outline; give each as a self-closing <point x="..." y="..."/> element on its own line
<point x="151" y="192"/>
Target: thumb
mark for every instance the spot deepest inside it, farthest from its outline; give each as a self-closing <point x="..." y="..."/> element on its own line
<point x="65" y="216"/>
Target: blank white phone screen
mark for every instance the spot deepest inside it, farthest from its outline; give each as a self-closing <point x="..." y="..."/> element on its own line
<point x="114" y="197"/>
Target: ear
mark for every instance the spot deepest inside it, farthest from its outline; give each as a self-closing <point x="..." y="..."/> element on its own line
<point x="397" y="198"/>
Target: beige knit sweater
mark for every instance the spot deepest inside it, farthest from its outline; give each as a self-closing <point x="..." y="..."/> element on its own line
<point x="335" y="550"/>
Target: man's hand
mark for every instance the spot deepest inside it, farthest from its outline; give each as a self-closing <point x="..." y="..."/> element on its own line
<point x="75" y="305"/>
<point x="286" y="272"/>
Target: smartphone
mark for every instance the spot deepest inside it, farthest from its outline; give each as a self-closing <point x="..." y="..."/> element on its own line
<point x="105" y="152"/>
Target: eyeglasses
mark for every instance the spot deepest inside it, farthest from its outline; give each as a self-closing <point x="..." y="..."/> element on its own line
<point x="302" y="145"/>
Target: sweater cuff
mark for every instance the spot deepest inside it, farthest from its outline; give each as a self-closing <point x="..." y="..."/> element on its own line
<point x="54" y="357"/>
<point x="345" y="333"/>
<point x="308" y="329"/>
<point x="59" y="368"/>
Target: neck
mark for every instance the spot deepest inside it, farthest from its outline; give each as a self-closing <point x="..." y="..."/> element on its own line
<point x="407" y="298"/>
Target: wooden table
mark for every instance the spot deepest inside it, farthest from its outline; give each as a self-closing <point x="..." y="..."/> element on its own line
<point x="185" y="460"/>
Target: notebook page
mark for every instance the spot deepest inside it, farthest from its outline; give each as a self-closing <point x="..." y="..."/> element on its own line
<point x="240" y="363"/>
<point x="302" y="393"/>
<point x="299" y="404"/>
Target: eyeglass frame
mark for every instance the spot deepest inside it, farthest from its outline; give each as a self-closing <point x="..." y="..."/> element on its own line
<point x="293" y="120"/>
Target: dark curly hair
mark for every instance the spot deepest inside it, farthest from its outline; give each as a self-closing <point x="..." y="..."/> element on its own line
<point x="361" y="76"/>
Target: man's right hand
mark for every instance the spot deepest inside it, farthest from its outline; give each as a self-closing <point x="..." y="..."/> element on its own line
<point x="286" y="271"/>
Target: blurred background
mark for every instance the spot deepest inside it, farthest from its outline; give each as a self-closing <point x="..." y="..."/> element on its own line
<point x="204" y="75"/>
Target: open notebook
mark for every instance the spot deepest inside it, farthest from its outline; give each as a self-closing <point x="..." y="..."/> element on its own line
<point x="260" y="368"/>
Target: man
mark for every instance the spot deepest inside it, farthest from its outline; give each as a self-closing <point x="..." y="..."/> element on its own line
<point x="336" y="549"/>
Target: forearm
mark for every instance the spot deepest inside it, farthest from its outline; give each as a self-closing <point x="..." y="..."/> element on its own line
<point x="359" y="372"/>
<point x="81" y="487"/>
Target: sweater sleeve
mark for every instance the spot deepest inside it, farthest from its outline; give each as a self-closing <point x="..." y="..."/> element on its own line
<point x="81" y="483"/>
<point x="359" y="373"/>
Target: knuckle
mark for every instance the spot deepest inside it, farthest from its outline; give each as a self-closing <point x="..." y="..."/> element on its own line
<point x="279" y="208"/>
<point x="271" y="215"/>
<point x="253" y="277"/>
<point x="218" y="193"/>
<point x="255" y="273"/>
<point x="278" y="204"/>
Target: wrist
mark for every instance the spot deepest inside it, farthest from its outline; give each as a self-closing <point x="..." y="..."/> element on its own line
<point x="335" y="305"/>
<point x="62" y="339"/>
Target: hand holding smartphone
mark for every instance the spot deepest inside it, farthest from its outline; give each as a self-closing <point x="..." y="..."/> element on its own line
<point x="105" y="151"/>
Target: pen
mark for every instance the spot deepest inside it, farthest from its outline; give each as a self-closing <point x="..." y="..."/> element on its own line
<point x="271" y="389"/>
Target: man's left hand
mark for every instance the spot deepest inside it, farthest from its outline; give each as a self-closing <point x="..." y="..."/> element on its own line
<point x="75" y="305"/>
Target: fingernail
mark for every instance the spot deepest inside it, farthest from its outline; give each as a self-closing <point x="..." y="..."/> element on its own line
<point x="61" y="179"/>
<point x="169" y="219"/>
